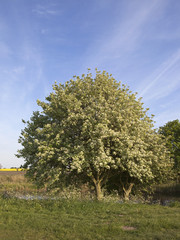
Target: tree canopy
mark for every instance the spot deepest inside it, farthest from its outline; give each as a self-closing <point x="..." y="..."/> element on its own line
<point x="171" y="131"/>
<point x="90" y="128"/>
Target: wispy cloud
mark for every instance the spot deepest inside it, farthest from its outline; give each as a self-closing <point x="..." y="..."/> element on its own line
<point x="124" y="36"/>
<point x="159" y="75"/>
<point x="42" y="40"/>
<point x="20" y="83"/>
<point x="23" y="77"/>
<point x="19" y="70"/>
<point x="45" y="10"/>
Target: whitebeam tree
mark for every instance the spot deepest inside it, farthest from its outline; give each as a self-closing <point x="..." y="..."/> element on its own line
<point x="89" y="127"/>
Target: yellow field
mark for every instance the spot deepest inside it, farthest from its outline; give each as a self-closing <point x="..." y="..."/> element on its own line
<point x="12" y="169"/>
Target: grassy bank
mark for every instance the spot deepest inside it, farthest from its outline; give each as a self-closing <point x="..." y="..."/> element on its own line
<point x="64" y="219"/>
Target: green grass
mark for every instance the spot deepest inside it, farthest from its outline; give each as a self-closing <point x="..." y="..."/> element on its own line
<point x="81" y="220"/>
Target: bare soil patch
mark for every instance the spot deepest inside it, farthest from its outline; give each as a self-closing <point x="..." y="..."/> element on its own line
<point x="128" y="228"/>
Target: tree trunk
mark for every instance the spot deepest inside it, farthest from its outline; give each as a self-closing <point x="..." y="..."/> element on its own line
<point x="127" y="191"/>
<point x="97" y="183"/>
<point x="98" y="191"/>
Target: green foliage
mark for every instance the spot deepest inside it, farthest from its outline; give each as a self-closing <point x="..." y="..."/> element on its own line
<point x="88" y="129"/>
<point x="171" y="131"/>
<point x="69" y="220"/>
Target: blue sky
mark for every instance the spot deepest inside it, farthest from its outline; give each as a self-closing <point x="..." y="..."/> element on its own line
<point x="41" y="42"/>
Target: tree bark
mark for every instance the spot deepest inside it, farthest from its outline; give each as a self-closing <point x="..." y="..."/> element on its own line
<point x="127" y="191"/>
<point x="98" y="191"/>
<point x="97" y="184"/>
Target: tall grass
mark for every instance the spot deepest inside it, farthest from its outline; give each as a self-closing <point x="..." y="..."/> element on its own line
<point x="17" y="183"/>
<point x="16" y="178"/>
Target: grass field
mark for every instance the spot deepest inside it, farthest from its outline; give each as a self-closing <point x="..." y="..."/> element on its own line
<point x="81" y="220"/>
<point x="68" y="219"/>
